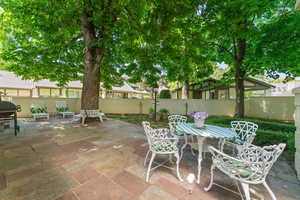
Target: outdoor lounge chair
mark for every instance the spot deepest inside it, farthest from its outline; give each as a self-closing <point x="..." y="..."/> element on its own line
<point x="63" y="109"/>
<point x="39" y="111"/>
<point x="251" y="166"/>
<point x="161" y="142"/>
<point x="91" y="114"/>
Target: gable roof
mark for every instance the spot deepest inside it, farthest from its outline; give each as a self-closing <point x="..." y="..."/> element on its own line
<point x="53" y="84"/>
<point x="211" y="83"/>
<point x="10" y="80"/>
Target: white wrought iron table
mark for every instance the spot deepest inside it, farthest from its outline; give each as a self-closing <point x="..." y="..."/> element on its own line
<point x="209" y="131"/>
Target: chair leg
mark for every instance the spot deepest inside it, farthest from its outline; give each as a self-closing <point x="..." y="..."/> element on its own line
<point x="177" y="166"/>
<point x="245" y="187"/>
<point x="149" y="166"/>
<point x="206" y="189"/>
<point x="145" y="161"/>
<point x="82" y="120"/>
<point x="269" y="190"/>
<point x="100" y="118"/>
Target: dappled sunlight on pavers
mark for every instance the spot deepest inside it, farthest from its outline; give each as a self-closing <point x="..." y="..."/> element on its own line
<point x="58" y="160"/>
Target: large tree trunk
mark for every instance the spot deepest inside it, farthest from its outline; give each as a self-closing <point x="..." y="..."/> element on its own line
<point x="240" y="93"/>
<point x="93" y="56"/>
<point x="185" y="90"/>
<point x="239" y="79"/>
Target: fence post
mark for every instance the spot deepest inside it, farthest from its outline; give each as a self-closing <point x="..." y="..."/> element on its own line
<point x="141" y="107"/>
<point x="296" y="91"/>
<point x="186" y="108"/>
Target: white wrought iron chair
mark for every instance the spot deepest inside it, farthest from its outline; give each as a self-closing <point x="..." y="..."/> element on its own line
<point x="161" y="142"/>
<point x="39" y="111"/>
<point x="251" y="166"/>
<point x="188" y="139"/>
<point x="245" y="131"/>
<point x="63" y="109"/>
<point x="92" y="114"/>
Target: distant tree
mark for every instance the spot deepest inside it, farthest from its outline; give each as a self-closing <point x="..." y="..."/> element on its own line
<point x="252" y="37"/>
<point x="185" y="61"/>
<point x="165" y="94"/>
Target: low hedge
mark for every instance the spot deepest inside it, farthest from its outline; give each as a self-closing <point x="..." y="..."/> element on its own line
<point x="263" y="125"/>
<point x="268" y="133"/>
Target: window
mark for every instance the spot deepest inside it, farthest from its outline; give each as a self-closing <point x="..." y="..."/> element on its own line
<point x="24" y="93"/>
<point x="63" y="92"/>
<point x="232" y="93"/>
<point x="222" y="94"/>
<point x="44" y="92"/>
<point x="11" y="92"/>
<point x="74" y="93"/>
<point x="55" y="92"/>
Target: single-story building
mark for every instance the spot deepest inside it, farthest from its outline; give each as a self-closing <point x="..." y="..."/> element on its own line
<point x="12" y="85"/>
<point x="216" y="89"/>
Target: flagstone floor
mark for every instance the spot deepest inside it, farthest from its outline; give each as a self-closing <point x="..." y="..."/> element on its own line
<point x="58" y="160"/>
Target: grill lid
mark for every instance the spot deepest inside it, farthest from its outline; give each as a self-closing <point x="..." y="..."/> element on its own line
<point x="8" y="106"/>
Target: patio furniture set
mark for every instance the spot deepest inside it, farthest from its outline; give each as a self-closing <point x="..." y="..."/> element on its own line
<point x="245" y="163"/>
<point x="40" y="111"/>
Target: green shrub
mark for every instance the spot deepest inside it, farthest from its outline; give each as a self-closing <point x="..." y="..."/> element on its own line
<point x="263" y="125"/>
<point x="291" y="144"/>
<point x="163" y="111"/>
<point x="151" y="110"/>
<point x="268" y="133"/>
<point x="165" y="94"/>
<point x="265" y="138"/>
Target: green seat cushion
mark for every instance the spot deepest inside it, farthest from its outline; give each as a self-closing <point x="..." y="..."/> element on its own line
<point x="35" y="110"/>
<point x="164" y="146"/>
<point x="237" y="141"/>
<point x="240" y="169"/>
<point x="62" y="109"/>
<point x="179" y="133"/>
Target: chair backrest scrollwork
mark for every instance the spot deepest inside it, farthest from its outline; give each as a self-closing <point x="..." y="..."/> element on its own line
<point x="177" y="118"/>
<point x="245" y="131"/>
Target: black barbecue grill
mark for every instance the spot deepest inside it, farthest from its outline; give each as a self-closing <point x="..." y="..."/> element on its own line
<point x="8" y="111"/>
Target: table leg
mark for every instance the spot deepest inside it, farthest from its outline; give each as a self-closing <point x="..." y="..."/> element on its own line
<point x="200" y="141"/>
<point x="184" y="145"/>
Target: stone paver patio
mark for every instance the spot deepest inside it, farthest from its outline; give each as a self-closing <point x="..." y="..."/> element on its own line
<point x="58" y="160"/>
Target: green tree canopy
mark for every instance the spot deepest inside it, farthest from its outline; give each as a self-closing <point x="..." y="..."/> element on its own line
<point x="252" y="37"/>
<point x="71" y="40"/>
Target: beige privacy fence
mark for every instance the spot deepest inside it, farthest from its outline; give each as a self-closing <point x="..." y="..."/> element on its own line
<point x="277" y="108"/>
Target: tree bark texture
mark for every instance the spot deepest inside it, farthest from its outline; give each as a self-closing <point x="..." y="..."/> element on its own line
<point x="92" y="56"/>
<point x="239" y="78"/>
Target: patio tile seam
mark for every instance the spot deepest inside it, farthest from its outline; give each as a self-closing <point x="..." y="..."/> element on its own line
<point x="113" y="181"/>
<point x="85" y="183"/>
<point x="77" y="197"/>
